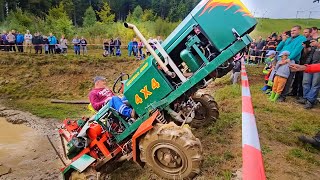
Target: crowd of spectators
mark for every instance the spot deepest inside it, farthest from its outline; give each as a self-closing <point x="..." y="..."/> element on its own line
<point x="13" y="41"/>
<point x="296" y="46"/>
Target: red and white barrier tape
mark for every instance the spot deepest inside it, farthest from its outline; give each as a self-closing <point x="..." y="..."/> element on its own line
<point x="252" y="167"/>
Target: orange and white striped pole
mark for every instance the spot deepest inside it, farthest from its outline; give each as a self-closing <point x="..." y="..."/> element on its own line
<point x="252" y="167"/>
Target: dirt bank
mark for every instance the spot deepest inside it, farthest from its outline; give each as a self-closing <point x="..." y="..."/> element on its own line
<point x="24" y="146"/>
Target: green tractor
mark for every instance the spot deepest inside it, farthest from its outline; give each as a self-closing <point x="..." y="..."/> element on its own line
<point x="163" y="91"/>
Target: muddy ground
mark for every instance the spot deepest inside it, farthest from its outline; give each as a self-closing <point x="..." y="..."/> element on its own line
<point x="25" y="151"/>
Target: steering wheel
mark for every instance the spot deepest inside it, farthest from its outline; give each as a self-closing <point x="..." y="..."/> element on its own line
<point x="116" y="82"/>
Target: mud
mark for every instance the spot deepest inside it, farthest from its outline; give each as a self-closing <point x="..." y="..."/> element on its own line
<point x="24" y="148"/>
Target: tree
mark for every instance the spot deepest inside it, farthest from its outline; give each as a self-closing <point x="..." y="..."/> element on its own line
<point x="137" y="14"/>
<point x="105" y="14"/>
<point x="57" y="21"/>
<point x="89" y="17"/>
<point x="148" y="15"/>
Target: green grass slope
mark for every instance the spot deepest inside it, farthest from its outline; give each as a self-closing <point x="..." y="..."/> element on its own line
<point x="266" y="26"/>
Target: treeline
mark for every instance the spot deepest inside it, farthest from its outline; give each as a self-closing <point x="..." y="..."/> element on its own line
<point x="93" y="18"/>
<point x="173" y="10"/>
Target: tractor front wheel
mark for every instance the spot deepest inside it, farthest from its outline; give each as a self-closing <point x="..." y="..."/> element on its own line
<point x="207" y="112"/>
<point x="172" y="152"/>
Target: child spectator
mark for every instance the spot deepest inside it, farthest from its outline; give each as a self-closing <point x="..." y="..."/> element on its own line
<point x="140" y="46"/>
<point x="105" y="48"/>
<point x="83" y="43"/>
<point x="269" y="75"/>
<point x="236" y="68"/>
<point x="64" y="45"/>
<point x="135" y="47"/>
<point x="118" y="52"/>
<point x="76" y="45"/>
<point x="270" y="57"/>
<point x="281" y="75"/>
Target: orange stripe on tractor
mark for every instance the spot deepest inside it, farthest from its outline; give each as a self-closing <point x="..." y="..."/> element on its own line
<point x="144" y="127"/>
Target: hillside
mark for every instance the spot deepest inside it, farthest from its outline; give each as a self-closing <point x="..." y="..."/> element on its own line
<point x="266" y="26"/>
<point x="28" y="83"/>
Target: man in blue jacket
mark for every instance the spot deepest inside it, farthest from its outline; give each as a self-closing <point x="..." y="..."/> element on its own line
<point x="20" y="40"/>
<point x="292" y="44"/>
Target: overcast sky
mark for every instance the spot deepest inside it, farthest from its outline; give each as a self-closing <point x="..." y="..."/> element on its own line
<point x="283" y="8"/>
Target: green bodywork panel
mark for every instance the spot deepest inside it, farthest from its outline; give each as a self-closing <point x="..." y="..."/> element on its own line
<point x="225" y="27"/>
<point x="147" y="85"/>
<point x="80" y="164"/>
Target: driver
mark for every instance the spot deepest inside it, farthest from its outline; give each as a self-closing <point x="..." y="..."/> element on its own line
<point x="100" y="95"/>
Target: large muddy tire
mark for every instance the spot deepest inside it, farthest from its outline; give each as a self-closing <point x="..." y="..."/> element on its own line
<point x="207" y="113"/>
<point x="172" y="152"/>
<point x="88" y="174"/>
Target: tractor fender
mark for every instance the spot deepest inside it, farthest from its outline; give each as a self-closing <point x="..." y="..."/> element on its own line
<point x="143" y="128"/>
<point x="81" y="164"/>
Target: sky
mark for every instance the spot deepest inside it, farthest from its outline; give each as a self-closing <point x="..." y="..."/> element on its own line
<point x="278" y="9"/>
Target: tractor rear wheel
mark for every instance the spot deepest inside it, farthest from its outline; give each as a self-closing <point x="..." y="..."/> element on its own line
<point x="172" y="152"/>
<point x="88" y="174"/>
<point x="208" y="111"/>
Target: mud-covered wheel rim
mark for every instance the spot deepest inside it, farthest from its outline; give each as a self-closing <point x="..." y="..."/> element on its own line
<point x="207" y="112"/>
<point x="172" y="152"/>
<point x="169" y="158"/>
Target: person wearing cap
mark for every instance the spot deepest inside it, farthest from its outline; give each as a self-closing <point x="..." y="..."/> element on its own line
<point x="101" y="95"/>
<point x="282" y="72"/>
<point x="311" y="81"/>
<point x="292" y="44"/>
<point x="268" y="68"/>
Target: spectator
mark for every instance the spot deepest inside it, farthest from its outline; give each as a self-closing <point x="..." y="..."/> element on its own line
<point x="279" y="39"/>
<point x="52" y="43"/>
<point x="130" y="47"/>
<point x="11" y="40"/>
<point x="281" y="75"/>
<point x="140" y="46"/>
<point x="15" y="41"/>
<point x="260" y="46"/>
<point x="19" y="41"/>
<point x="111" y="47"/>
<point x="83" y="43"/>
<point x="292" y="44"/>
<point x="253" y="48"/>
<point x="135" y="47"/>
<point x="64" y="45"/>
<point x="272" y="44"/>
<point x="151" y="43"/>
<point x="270" y="56"/>
<point x="297" y="89"/>
<point x="76" y="45"/>
<point x="105" y="48"/>
<point x="28" y="41"/>
<point x="311" y="81"/>
<point x="314" y="33"/>
<point x="117" y="43"/>
<point x="307" y="33"/>
<point x="236" y="69"/>
<point x="37" y="41"/>
<point x="45" y="41"/>
<point x="5" y="41"/>
<point x="159" y="39"/>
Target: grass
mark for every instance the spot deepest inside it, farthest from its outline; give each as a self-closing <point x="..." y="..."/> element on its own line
<point x="267" y="26"/>
<point x="29" y="82"/>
